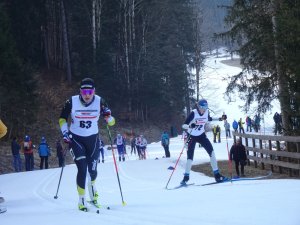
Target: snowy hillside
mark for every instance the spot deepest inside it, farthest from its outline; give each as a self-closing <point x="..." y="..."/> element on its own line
<point x="213" y="86"/>
<point x="29" y="195"/>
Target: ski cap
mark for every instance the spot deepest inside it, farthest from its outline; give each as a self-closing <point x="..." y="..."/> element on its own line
<point x="87" y="83"/>
<point x="202" y="104"/>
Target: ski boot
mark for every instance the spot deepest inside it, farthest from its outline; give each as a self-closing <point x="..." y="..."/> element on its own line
<point x="219" y="178"/>
<point x="186" y="178"/>
<point x="94" y="200"/>
<point x="82" y="205"/>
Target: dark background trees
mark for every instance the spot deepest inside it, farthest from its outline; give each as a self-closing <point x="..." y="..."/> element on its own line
<point x="140" y="53"/>
<point x="137" y="51"/>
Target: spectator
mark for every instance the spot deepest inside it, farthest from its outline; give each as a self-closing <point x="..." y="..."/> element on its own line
<point x="277" y="119"/>
<point x="60" y="153"/>
<point x="241" y="127"/>
<point x="249" y="124"/>
<point x="121" y="145"/>
<point x="165" y="141"/>
<point x="235" y="125"/>
<point x="256" y="123"/>
<point x="44" y="153"/>
<point x="217" y="134"/>
<point x="132" y="143"/>
<point x="227" y="129"/>
<point x="15" y="150"/>
<point x="28" y="153"/>
<point x="239" y="156"/>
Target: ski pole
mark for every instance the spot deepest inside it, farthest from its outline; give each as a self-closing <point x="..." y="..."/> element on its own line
<point x="178" y="160"/>
<point x="229" y="161"/>
<point x="61" y="173"/>
<point x="115" y="163"/>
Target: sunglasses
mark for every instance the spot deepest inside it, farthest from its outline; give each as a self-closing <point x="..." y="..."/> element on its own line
<point x="203" y="107"/>
<point x="87" y="91"/>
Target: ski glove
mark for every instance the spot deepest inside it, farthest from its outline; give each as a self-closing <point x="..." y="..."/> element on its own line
<point x="67" y="137"/>
<point x="192" y="125"/>
<point x="186" y="126"/>
<point x="106" y="112"/>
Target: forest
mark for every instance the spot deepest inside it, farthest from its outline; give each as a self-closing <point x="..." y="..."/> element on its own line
<point x="140" y="54"/>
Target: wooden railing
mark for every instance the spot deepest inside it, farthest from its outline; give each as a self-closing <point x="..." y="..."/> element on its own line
<point x="280" y="152"/>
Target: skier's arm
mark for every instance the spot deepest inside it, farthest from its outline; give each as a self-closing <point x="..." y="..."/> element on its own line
<point x="64" y="116"/>
<point x="188" y="120"/>
<point x="106" y="113"/>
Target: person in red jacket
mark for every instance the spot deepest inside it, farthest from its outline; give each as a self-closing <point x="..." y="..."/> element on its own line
<point x="28" y="153"/>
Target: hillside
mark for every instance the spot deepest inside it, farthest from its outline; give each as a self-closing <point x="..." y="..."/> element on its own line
<point x="52" y="93"/>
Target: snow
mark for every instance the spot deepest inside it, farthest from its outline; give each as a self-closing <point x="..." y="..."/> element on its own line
<point x="214" y="85"/>
<point x="30" y="195"/>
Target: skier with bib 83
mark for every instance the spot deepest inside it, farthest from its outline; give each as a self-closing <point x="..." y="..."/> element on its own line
<point x="196" y="126"/>
<point x="82" y="136"/>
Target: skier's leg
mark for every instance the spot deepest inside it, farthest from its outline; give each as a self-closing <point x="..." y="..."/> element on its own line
<point x="190" y="156"/>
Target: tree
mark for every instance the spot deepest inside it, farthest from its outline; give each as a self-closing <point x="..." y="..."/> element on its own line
<point x="264" y="51"/>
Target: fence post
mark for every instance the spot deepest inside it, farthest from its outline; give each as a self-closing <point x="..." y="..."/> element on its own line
<point x="278" y="157"/>
<point x="271" y="156"/>
<point x="261" y="154"/>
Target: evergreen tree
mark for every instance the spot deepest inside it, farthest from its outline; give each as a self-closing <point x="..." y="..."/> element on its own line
<point x="17" y="86"/>
<point x="260" y="28"/>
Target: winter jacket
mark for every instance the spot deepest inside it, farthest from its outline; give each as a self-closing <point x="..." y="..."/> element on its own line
<point x="27" y="147"/>
<point x="44" y="149"/>
<point x="235" y="125"/>
<point x="15" y="148"/>
<point x="165" y="139"/>
<point x="238" y="152"/>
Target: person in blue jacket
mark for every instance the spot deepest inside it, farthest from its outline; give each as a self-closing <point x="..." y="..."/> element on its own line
<point x="165" y="141"/>
<point x="44" y="153"/>
<point x="235" y="125"/>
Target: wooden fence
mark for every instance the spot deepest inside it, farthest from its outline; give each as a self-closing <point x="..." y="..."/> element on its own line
<point x="282" y="153"/>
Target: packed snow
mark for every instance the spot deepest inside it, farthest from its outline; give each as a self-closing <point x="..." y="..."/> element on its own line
<point x="30" y="195"/>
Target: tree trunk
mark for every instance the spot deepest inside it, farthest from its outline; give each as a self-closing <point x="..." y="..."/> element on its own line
<point x="282" y="80"/>
<point x="66" y="43"/>
<point x="94" y="29"/>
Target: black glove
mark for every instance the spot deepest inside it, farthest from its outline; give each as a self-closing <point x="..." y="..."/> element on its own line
<point x="192" y="125"/>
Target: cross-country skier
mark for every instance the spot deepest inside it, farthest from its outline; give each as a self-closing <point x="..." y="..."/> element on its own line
<point x="195" y="126"/>
<point x="121" y="146"/>
<point x="82" y="136"/>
